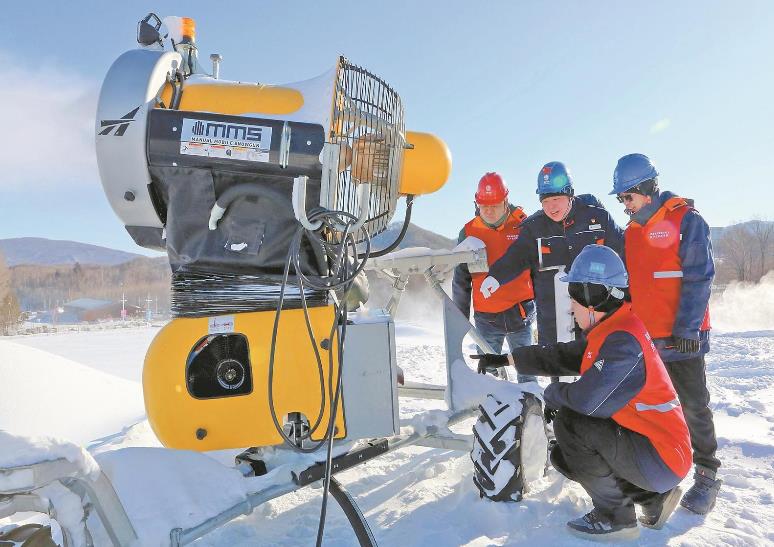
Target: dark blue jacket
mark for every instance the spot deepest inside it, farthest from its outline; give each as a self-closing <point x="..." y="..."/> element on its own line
<point x="587" y="222"/>
<point x="698" y="269"/>
<point x="600" y="392"/>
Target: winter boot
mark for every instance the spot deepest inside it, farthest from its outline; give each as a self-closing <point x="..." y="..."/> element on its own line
<point x="656" y="513"/>
<point x="597" y="526"/>
<point x="700" y="498"/>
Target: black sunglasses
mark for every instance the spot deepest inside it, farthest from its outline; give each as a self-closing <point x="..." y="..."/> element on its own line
<point x="624" y="198"/>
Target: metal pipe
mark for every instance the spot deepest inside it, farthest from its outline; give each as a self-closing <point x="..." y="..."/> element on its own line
<point x="216" y="59"/>
<point x="299" y="204"/>
<point x="419" y="390"/>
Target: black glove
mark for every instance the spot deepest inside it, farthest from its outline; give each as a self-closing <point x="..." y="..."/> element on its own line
<point x="549" y="414"/>
<point x="686" y="345"/>
<point x="490" y="361"/>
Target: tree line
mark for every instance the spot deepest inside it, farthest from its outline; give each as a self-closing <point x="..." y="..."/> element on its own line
<point x="9" y="304"/>
<point x="745" y="252"/>
<point x="46" y="287"/>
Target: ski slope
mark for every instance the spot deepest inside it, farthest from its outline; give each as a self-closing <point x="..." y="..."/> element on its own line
<point x="84" y="387"/>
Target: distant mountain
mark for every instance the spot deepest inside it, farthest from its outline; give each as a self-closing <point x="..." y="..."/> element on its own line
<point x="48" y="252"/>
<point x="415" y="237"/>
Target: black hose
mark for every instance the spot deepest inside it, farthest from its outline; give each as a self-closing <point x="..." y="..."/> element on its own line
<point x="401" y="235"/>
<point x="177" y="90"/>
<point x="355" y="517"/>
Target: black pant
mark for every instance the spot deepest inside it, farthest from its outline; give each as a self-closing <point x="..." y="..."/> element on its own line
<point x="690" y="381"/>
<point x="600" y="455"/>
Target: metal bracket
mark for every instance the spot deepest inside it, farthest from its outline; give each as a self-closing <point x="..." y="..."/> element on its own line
<point x="284" y="151"/>
<point x="299" y="206"/>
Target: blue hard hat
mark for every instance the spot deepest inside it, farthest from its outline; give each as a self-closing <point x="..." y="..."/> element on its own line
<point x="600" y="265"/>
<point x="631" y="171"/>
<point x="554" y="178"/>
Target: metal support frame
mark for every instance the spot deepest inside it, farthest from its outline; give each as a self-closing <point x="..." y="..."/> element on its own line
<point x="455" y="327"/>
<point x="179" y="537"/>
<point x="100" y="494"/>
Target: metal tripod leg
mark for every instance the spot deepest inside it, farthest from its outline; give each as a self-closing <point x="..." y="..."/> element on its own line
<point x="455" y="327"/>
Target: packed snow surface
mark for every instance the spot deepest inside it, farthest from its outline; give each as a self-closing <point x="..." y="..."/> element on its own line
<point x="84" y="388"/>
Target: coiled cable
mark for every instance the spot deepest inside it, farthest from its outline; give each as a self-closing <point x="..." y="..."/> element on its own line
<point x="346" y="264"/>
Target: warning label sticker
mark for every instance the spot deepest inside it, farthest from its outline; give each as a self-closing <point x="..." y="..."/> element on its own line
<point x="234" y="141"/>
<point x="221" y="324"/>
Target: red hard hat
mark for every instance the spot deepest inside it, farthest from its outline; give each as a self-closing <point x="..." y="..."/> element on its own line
<point x="491" y="190"/>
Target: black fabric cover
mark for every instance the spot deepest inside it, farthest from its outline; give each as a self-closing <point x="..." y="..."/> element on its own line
<point x="254" y="235"/>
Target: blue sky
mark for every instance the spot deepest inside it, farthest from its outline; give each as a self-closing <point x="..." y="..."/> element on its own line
<point x="508" y="85"/>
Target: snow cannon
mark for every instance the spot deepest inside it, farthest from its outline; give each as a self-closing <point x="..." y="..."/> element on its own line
<point x="264" y="198"/>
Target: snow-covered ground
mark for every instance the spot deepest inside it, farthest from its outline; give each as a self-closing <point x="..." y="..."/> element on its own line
<point x="84" y="387"/>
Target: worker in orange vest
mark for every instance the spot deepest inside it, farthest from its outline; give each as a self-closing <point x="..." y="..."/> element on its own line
<point x="620" y="429"/>
<point x="509" y="314"/>
<point x="669" y="257"/>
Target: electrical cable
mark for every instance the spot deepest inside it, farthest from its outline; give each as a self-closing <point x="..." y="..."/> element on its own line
<point x="328" y="283"/>
<point x="346" y="264"/>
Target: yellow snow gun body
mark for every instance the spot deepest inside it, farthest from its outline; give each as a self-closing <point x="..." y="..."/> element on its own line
<point x="219" y="399"/>
<point x="222" y="175"/>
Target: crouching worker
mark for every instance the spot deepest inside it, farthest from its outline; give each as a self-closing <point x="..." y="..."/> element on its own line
<point x="620" y="430"/>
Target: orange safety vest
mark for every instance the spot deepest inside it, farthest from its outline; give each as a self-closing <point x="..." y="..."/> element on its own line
<point x="655" y="270"/>
<point x="497" y="241"/>
<point x="655" y="411"/>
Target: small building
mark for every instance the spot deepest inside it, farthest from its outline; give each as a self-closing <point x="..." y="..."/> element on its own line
<point x="85" y="310"/>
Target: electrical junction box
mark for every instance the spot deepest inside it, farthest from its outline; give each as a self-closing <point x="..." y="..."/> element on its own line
<point x="370" y="376"/>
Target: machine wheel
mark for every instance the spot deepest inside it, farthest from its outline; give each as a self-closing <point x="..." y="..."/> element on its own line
<point x="510" y="447"/>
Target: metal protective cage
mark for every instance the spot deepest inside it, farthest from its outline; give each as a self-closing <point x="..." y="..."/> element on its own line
<point x="365" y="145"/>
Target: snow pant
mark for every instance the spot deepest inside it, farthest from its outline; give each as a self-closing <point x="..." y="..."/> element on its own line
<point x="602" y="456"/>
<point x="495" y="333"/>
<point x="690" y="381"/>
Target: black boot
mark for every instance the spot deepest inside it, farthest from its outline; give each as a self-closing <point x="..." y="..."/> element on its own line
<point x="601" y="526"/>
<point x="700" y="498"/>
<point x="656" y="512"/>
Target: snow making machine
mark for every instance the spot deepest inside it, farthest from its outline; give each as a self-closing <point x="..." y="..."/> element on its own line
<point x="265" y="199"/>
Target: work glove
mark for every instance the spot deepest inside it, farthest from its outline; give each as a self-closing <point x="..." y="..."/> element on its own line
<point x="686" y="345"/>
<point x="491" y="361"/>
<point x="489" y="286"/>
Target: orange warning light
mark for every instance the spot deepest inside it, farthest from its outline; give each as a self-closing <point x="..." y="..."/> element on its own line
<point x="188" y="29"/>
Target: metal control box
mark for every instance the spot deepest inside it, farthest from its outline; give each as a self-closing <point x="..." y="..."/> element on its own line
<point x="369" y="377"/>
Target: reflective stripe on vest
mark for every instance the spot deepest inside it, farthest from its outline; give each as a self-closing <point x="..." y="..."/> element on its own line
<point x="663" y="407"/>
<point x="667" y="275"/>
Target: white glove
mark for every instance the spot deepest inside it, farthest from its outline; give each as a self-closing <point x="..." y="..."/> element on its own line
<point x="489" y="286"/>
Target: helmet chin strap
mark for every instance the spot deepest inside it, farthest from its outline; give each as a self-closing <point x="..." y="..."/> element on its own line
<point x="592" y="319"/>
<point x="590" y="309"/>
